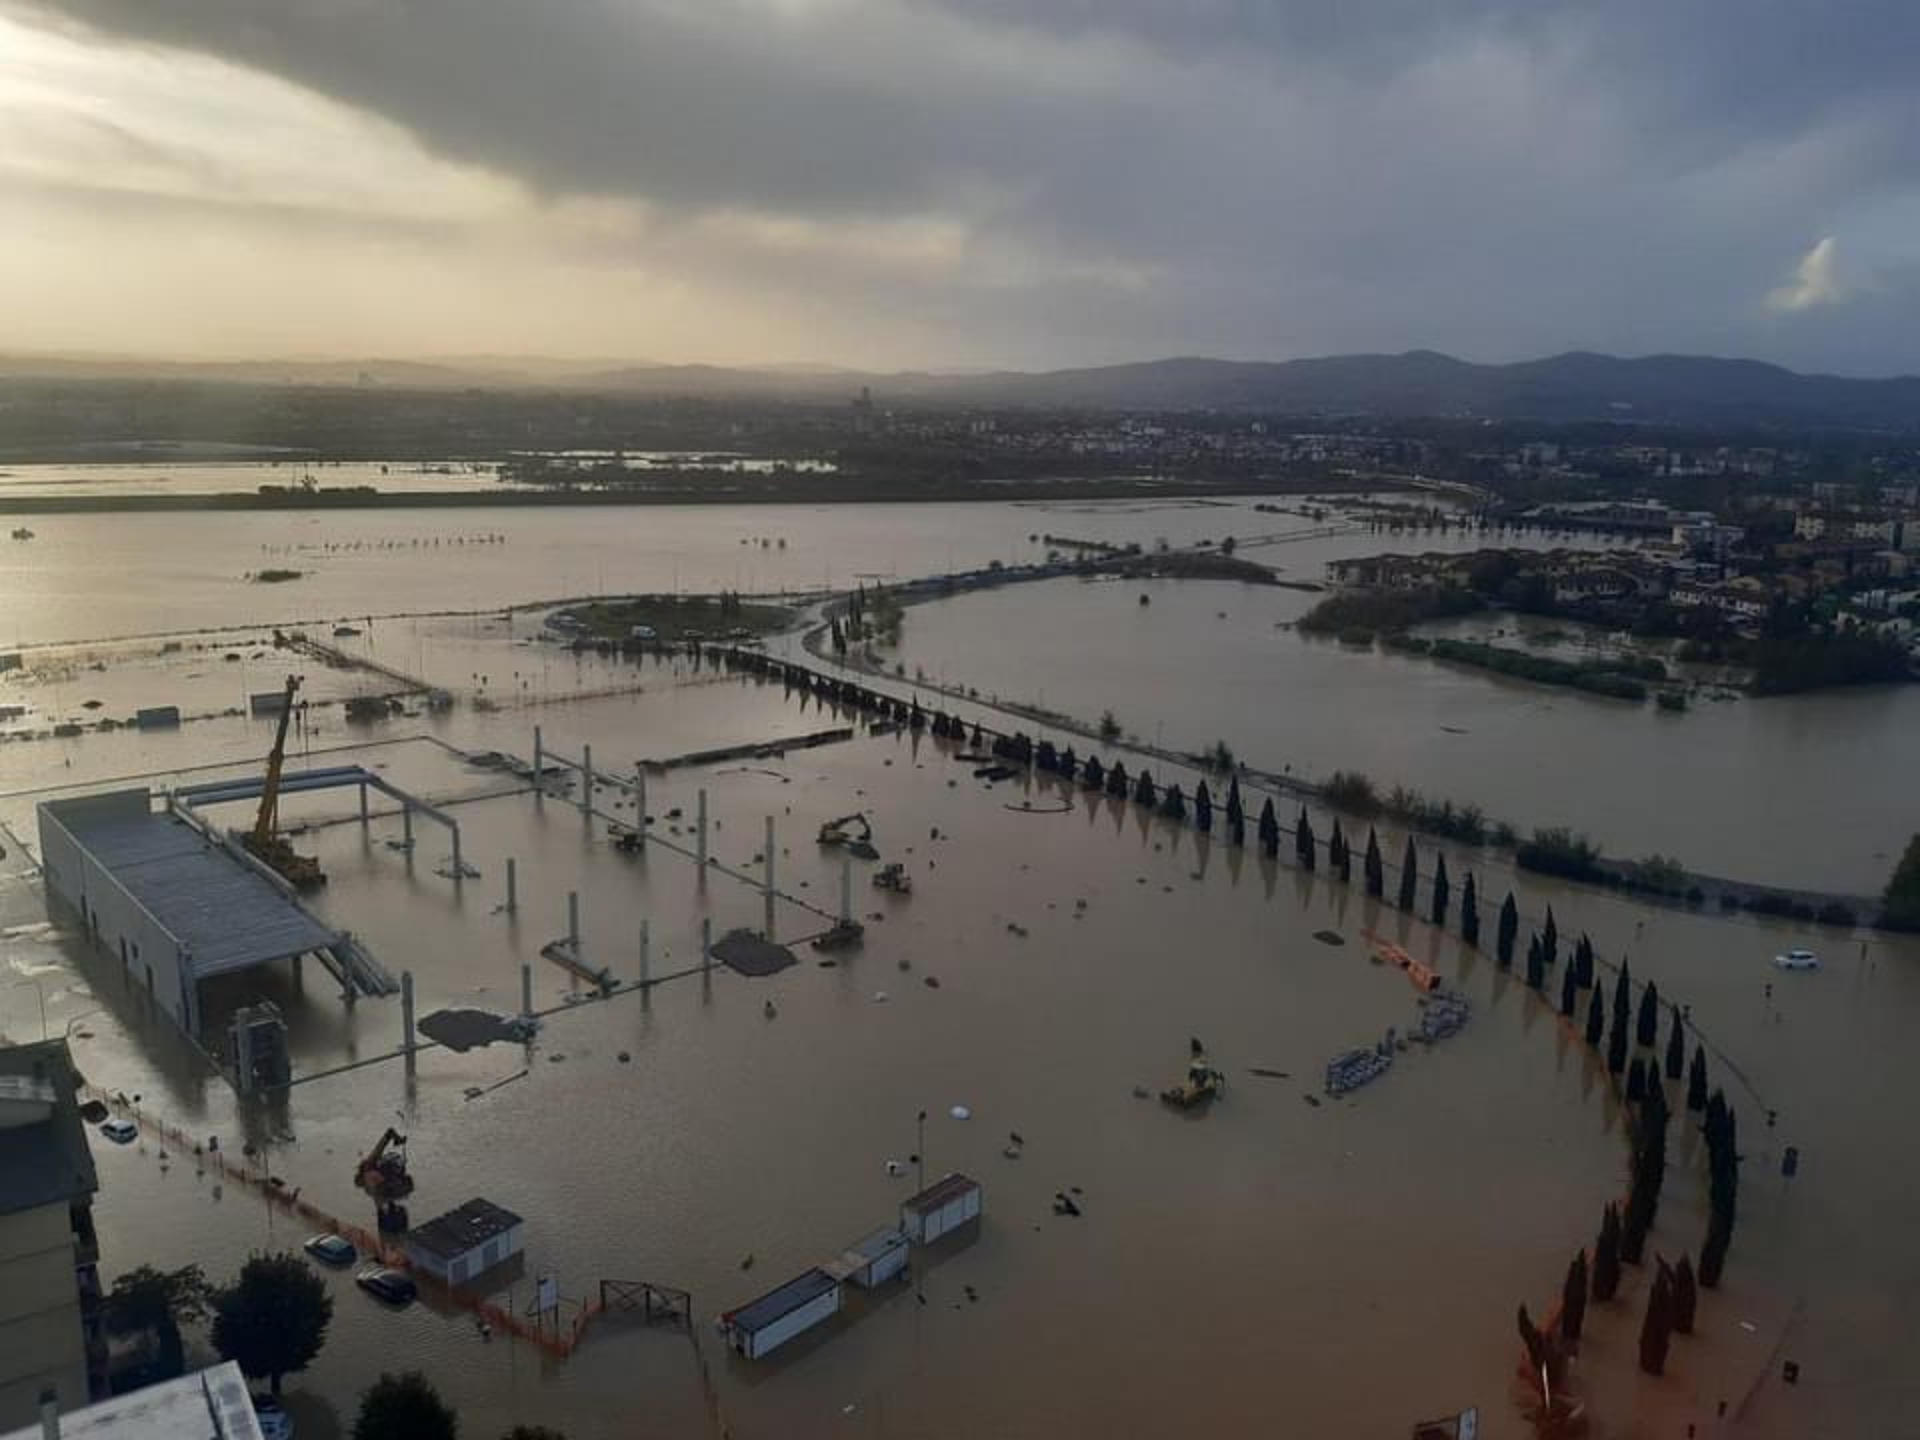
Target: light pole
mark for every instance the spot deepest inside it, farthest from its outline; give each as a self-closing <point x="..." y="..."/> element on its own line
<point x="920" y="1152"/>
<point x="43" y="1001"/>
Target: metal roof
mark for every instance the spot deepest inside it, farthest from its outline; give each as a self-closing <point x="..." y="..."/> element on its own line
<point x="227" y="914"/>
<point x="49" y="1160"/>
<point x="801" y="1290"/>
<point x="943" y="1191"/>
<point x="461" y="1230"/>
<point x="210" y="1405"/>
<point x="881" y="1242"/>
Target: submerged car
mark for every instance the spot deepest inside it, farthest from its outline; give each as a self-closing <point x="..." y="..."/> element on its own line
<point x="1798" y="960"/>
<point x="396" y="1287"/>
<point x="121" y="1132"/>
<point x="274" y="1422"/>
<point x="331" y="1249"/>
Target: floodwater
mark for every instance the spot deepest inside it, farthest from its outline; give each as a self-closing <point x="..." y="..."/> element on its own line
<point x="1272" y="1266"/>
<point x="1811" y="791"/>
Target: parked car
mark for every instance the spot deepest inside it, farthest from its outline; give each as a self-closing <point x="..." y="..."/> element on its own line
<point x="1798" y="960"/>
<point x="121" y="1132"/>
<point x="332" y="1249"/>
<point x="274" y="1422"/>
<point x="396" y="1287"/>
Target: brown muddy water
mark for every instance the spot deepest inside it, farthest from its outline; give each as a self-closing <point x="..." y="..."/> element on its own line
<point x="1273" y="1266"/>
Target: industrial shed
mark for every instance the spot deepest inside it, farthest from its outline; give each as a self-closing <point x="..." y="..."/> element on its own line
<point x="943" y="1206"/>
<point x="873" y="1259"/>
<point x="173" y="901"/>
<point x="464" y="1243"/>
<point x="779" y="1315"/>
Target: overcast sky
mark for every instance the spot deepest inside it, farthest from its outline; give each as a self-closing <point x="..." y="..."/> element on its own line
<point x="962" y="182"/>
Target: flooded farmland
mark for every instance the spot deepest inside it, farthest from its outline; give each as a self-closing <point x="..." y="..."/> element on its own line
<point x="1262" y="1263"/>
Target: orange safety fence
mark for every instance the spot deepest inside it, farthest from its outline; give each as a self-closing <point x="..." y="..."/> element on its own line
<point x="557" y="1343"/>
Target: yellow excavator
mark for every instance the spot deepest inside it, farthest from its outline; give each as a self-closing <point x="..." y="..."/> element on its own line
<point x="264" y="841"/>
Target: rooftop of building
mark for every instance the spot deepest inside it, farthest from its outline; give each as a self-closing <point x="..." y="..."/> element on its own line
<point x="463" y="1228"/>
<point x="211" y="1404"/>
<point x="45" y="1158"/>
<point x="803" y="1289"/>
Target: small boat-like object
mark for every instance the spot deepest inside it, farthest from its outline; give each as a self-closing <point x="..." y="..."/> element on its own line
<point x="22" y="533"/>
<point x="1201" y="1087"/>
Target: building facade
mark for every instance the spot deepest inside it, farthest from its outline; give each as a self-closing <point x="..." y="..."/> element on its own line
<point x="51" y="1327"/>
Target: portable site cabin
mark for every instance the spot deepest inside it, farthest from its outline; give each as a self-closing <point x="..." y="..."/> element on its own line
<point x="945" y="1205"/>
<point x="464" y="1243"/>
<point x="776" y="1317"/>
<point x="873" y="1259"/>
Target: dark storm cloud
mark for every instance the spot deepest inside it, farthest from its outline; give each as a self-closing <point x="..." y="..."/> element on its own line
<point x="1490" y="176"/>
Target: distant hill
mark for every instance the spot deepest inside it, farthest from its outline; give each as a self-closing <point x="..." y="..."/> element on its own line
<point x="1678" y="389"/>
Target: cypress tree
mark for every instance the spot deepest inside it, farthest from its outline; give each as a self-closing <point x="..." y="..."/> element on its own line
<point x="1649" y="1026"/>
<point x="1143" y="791"/>
<point x="1550" y="940"/>
<point x="1569" y="992"/>
<point x="1583" y="962"/>
<point x="1623" y="993"/>
<point x="1409" y="875"/>
<point x="1376" y="872"/>
<point x="1304" y="847"/>
<point x="1573" y="1299"/>
<point x="1617" y="1045"/>
<point x="1442" y="891"/>
<point x="1657" y="1328"/>
<point x="1536" y="963"/>
<point x="1470" y="912"/>
<point x="1174" y="806"/>
<point x="1203" y="809"/>
<point x="1649" y="1170"/>
<point x="1596" y="1020"/>
<point x="1094" y="776"/>
<point x="1606" y="1256"/>
<point x="1236" y="813"/>
<point x="1069" y="763"/>
<point x="1343" y="861"/>
<point x="1676" y="1047"/>
<point x="1697" y="1078"/>
<point x="1117" y="783"/>
<point x="1636" y="1082"/>
<point x="1713" y="1254"/>
<point x="1269" y="829"/>
<point x="1509" y="931"/>
<point x="1685" y="1297"/>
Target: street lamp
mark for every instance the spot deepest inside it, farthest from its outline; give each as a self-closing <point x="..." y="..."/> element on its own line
<point x="43" y="1001"/>
<point x="920" y="1152"/>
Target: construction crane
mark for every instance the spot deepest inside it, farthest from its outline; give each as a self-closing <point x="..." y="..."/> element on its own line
<point x="382" y="1173"/>
<point x="303" y="872"/>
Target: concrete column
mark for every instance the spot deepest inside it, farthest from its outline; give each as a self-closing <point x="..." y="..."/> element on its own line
<point x="406" y="819"/>
<point x="513" y="898"/>
<point x="573" y="922"/>
<point x="459" y="872"/>
<point x="846" y="889"/>
<point x="363" y="804"/>
<point x="640" y="806"/>
<point x="526" y="989"/>
<point x="586" y="783"/>
<point x="770" y="891"/>
<point x="700" y="855"/>
<point x="539" y="765"/>
<point x="645" y="957"/>
<point x="406" y="1013"/>
<point x="706" y="946"/>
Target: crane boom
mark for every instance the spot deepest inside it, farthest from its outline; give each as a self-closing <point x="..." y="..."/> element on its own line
<point x="268" y="820"/>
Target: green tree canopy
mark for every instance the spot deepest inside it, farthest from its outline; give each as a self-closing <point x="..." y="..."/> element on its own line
<point x="1902" y="900"/>
<point x="272" y="1320"/>
<point x="404" y="1407"/>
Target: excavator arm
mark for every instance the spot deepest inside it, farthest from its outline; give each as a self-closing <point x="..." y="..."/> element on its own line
<point x="268" y="820"/>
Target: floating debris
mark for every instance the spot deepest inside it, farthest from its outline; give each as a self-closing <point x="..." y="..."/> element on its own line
<point x="1329" y="937"/>
<point x="1351" y="1069"/>
<point x="1442" y="1014"/>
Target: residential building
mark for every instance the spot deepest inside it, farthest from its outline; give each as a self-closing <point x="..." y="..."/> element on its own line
<point x="51" y="1329"/>
<point x="210" y="1404"/>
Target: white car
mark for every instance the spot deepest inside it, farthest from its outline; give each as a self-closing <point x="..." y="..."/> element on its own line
<point x="1798" y="960"/>
<point x="121" y="1132"/>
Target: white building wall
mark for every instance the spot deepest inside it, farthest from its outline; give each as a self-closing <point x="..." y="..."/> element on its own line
<point x="149" y="957"/>
<point x="794" y="1322"/>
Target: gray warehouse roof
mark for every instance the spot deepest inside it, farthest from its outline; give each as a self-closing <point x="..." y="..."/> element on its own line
<point x="227" y="914"/>
<point x="458" y="1231"/>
